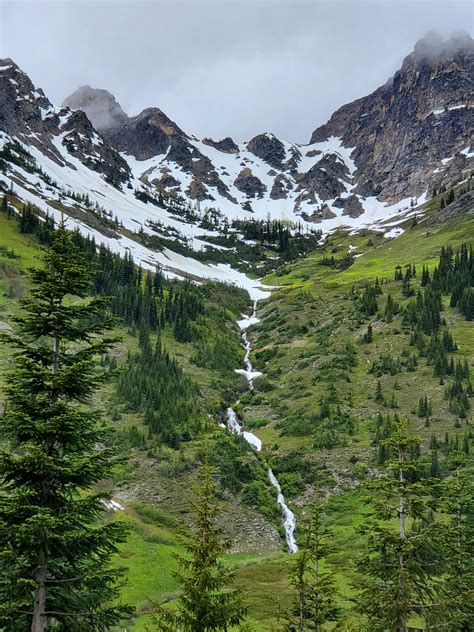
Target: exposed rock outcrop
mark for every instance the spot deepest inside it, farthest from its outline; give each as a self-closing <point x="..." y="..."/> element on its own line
<point x="422" y="115"/>
<point x="225" y="145"/>
<point x="249" y="184"/>
<point x="268" y="148"/>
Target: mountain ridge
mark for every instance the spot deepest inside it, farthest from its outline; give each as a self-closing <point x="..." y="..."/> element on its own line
<point x="384" y="129"/>
<point x="129" y="181"/>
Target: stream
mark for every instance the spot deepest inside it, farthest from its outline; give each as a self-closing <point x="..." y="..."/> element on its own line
<point x="235" y="426"/>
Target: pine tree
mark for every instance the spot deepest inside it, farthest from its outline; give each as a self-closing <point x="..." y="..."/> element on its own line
<point x="369" y="335"/>
<point x="453" y="606"/>
<point x="54" y="552"/>
<point x="316" y="594"/>
<point x="206" y="601"/>
<point x="396" y="567"/>
<point x="378" y="392"/>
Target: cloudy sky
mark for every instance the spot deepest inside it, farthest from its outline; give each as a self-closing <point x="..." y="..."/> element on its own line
<point x="223" y="67"/>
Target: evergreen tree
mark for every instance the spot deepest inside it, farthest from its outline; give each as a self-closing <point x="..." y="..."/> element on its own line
<point x="391" y="308"/>
<point x="378" y="392"/>
<point x="206" y="601"/>
<point x="316" y="594"/>
<point x="396" y="567"/>
<point x="453" y="607"/>
<point x="54" y="553"/>
<point x="425" y="276"/>
<point x="369" y="335"/>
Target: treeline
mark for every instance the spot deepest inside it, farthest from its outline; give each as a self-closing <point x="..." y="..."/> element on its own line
<point x="153" y="383"/>
<point x="290" y="240"/>
<point x="423" y="318"/>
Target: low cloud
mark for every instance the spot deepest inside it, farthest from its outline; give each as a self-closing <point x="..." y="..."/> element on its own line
<point x="432" y="45"/>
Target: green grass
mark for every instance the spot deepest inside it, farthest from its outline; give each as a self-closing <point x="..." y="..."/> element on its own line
<point x="148" y="557"/>
<point x="419" y="244"/>
<point x="307" y="322"/>
<point x="25" y="249"/>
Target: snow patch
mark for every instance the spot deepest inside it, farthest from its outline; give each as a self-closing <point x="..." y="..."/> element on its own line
<point x="394" y="232"/>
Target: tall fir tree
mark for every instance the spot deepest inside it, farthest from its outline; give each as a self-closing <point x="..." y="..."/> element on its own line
<point x="207" y="600"/>
<point x="54" y="551"/>
<point x="453" y="607"/>
<point x="397" y="567"/>
<point x="315" y="600"/>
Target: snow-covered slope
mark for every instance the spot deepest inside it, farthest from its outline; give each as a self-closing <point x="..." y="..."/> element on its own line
<point x="142" y="184"/>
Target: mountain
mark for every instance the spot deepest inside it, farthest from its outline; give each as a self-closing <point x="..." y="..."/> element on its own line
<point x="389" y="145"/>
<point x="27" y="115"/>
<point x="407" y="132"/>
<point x="372" y="326"/>
<point x="143" y="185"/>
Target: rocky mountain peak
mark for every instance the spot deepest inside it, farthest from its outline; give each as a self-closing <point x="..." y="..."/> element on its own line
<point x="404" y="129"/>
<point x="21" y="105"/>
<point x="101" y="108"/>
<point x="150" y="133"/>
<point x="157" y="118"/>
<point x="269" y="148"/>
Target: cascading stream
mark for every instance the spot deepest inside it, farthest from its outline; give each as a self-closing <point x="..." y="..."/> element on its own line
<point x="234" y="425"/>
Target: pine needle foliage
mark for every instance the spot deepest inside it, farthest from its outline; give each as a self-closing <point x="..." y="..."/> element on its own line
<point x="55" y="571"/>
<point x="315" y="602"/>
<point x="400" y="564"/>
<point x="207" y="600"/>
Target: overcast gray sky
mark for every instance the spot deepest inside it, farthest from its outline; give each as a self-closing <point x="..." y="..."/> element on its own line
<point x="228" y="67"/>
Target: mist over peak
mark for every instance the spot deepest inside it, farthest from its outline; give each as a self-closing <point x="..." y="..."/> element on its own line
<point x="100" y="106"/>
<point x="432" y="45"/>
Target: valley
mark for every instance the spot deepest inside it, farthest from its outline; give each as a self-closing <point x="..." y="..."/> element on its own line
<point x="283" y="313"/>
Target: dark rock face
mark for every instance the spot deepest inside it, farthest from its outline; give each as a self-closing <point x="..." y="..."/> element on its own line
<point x="226" y="145"/>
<point x="401" y="131"/>
<point x="319" y="214"/>
<point x="152" y="133"/>
<point x="460" y="167"/>
<point x="291" y="164"/>
<point x="24" y="110"/>
<point x="325" y="179"/>
<point x="268" y="148"/>
<point x="281" y="187"/>
<point x="84" y="143"/>
<point x="149" y="134"/>
<point x="249" y="184"/>
<point x="351" y="205"/>
<point x="20" y="102"/>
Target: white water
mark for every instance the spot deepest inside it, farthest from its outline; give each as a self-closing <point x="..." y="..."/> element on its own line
<point x="234" y="425"/>
<point x="289" y="521"/>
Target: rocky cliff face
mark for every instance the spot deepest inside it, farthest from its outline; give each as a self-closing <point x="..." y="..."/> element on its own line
<point x="424" y="114"/>
<point x="28" y="115"/>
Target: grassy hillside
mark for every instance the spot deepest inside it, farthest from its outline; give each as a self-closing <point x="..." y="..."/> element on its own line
<point x="315" y="409"/>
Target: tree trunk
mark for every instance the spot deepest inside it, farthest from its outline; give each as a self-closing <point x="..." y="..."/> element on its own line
<point x="39" y="620"/>
<point x="316" y="608"/>
<point x="402" y="533"/>
<point x="38" y="623"/>
<point x="302" y="605"/>
<point x="56" y="350"/>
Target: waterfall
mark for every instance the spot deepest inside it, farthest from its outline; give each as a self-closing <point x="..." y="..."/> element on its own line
<point x="289" y="520"/>
<point x="235" y="426"/>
